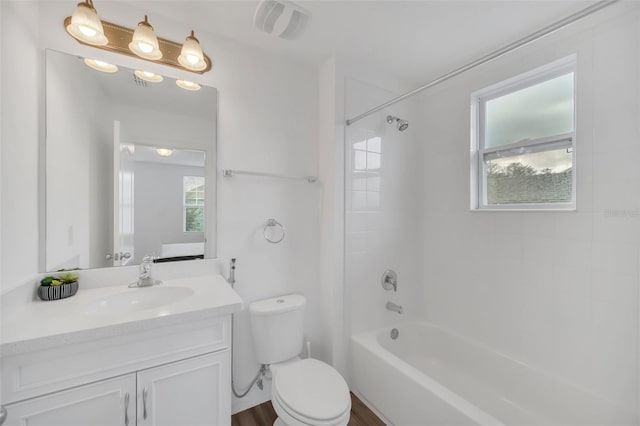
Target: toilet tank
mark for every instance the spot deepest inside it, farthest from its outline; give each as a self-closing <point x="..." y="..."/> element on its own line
<point x="277" y="327"/>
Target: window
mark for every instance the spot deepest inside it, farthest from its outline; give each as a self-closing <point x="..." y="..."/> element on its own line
<point x="193" y="190"/>
<point x="523" y="148"/>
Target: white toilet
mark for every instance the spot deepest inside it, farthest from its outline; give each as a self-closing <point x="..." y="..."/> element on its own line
<point x="304" y="391"/>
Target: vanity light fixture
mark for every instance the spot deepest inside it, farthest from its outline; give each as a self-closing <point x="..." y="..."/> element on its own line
<point x="145" y="42"/>
<point x="191" y="56"/>
<point x="148" y="76"/>
<point x="188" y="85"/>
<point x="164" y="152"/>
<point x="85" y="26"/>
<point x="100" y="65"/>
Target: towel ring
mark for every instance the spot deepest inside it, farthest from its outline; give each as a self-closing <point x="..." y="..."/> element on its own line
<point x="271" y="223"/>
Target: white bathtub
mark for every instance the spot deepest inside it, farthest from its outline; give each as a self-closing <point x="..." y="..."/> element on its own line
<point x="428" y="376"/>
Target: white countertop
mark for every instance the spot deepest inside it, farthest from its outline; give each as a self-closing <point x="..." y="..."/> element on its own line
<point x="41" y="324"/>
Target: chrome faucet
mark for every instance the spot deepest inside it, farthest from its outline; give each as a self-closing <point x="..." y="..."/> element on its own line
<point x="395" y="308"/>
<point x="145" y="279"/>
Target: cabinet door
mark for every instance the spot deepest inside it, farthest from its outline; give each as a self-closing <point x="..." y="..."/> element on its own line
<point x="100" y="404"/>
<point x="193" y="392"/>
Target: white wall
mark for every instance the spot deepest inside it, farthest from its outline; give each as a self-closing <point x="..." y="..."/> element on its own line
<point x="22" y="104"/>
<point x="267" y="121"/>
<point x="559" y="290"/>
<point x="77" y="181"/>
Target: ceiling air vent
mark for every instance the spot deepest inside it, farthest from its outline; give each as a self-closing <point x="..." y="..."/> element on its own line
<point x="139" y="82"/>
<point x="282" y="18"/>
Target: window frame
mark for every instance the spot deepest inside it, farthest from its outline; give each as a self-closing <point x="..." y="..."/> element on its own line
<point x="185" y="205"/>
<point x="479" y="152"/>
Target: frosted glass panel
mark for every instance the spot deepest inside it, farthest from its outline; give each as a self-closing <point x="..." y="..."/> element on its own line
<point x="545" y="109"/>
<point x="540" y="177"/>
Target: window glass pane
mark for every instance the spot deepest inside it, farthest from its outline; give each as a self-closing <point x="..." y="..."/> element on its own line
<point x="362" y="145"/>
<point x="374" y="145"/>
<point x="544" y="109"/>
<point x="373" y="161"/>
<point x="194" y="219"/>
<point x="359" y="160"/>
<point x="541" y="177"/>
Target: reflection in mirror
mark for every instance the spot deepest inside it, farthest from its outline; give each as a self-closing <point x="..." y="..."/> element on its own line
<point x="130" y="167"/>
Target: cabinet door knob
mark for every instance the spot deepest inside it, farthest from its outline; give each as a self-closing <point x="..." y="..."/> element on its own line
<point x="126" y="409"/>
<point x="144" y="403"/>
<point x="3" y="414"/>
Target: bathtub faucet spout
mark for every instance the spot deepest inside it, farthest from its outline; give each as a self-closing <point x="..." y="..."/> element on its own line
<point x="395" y="308"/>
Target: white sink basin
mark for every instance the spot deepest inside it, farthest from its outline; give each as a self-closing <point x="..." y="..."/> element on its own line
<point x="138" y="299"/>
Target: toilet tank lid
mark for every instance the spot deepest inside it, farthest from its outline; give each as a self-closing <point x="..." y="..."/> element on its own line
<point x="277" y="305"/>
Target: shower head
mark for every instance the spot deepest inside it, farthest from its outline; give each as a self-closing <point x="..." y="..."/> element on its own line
<point x="401" y="124"/>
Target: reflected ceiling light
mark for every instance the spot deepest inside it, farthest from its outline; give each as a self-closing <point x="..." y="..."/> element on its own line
<point x="100" y="65"/>
<point x="145" y="41"/>
<point x="188" y="85"/>
<point x="191" y="56"/>
<point x="148" y="76"/>
<point x="164" y="152"/>
<point x="85" y="25"/>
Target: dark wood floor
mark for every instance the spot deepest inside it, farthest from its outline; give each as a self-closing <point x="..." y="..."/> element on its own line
<point x="264" y="415"/>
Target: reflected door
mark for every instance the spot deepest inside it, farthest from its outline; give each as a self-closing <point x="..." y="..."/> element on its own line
<point x="123" y="200"/>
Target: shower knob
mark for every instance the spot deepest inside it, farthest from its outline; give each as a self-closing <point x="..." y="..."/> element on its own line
<point x="390" y="280"/>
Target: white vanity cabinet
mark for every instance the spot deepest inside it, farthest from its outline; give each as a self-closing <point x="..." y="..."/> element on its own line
<point x="98" y="404"/>
<point x="189" y="392"/>
<point x="192" y="392"/>
<point x="174" y="374"/>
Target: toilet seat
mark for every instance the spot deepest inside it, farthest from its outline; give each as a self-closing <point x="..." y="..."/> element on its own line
<point x="289" y="418"/>
<point x="310" y="392"/>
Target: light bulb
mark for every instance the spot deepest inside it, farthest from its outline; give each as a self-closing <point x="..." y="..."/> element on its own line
<point x="85" y="26"/>
<point x="144" y="42"/>
<point x="191" y="56"/>
<point x="89" y="32"/>
<point x="145" y="47"/>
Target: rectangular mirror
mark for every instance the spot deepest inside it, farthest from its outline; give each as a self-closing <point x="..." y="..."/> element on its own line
<point x="130" y="167"/>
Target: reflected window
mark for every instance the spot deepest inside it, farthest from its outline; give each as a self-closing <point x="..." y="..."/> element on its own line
<point x="365" y="174"/>
<point x="193" y="203"/>
<point x="523" y="152"/>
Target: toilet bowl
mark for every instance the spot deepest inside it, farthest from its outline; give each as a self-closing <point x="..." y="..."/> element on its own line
<point x="310" y="392"/>
<point x="305" y="392"/>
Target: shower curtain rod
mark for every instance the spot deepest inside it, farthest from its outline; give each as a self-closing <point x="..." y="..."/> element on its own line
<point x="493" y="55"/>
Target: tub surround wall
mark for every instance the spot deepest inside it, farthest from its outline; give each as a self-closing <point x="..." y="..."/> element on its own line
<point x="276" y="95"/>
<point x="382" y="219"/>
<point x="345" y="85"/>
<point x="556" y="290"/>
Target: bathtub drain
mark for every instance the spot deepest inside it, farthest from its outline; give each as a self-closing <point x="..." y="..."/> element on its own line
<point x="394" y="333"/>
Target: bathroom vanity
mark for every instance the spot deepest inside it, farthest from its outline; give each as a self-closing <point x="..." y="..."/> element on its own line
<point x="122" y="356"/>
